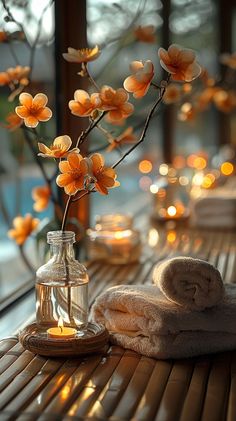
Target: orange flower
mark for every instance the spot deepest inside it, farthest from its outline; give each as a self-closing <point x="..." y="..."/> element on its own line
<point x="140" y="81"/>
<point x="33" y="110"/>
<point x="59" y="148"/>
<point x="225" y="100"/>
<point x="180" y="63"/>
<point x="145" y="33"/>
<point x="172" y="94"/>
<point x="84" y="105"/>
<point x="229" y="60"/>
<point x="13" y="121"/>
<point x="187" y="112"/>
<point x="83" y="55"/>
<point x="204" y="99"/>
<point x="3" y="36"/>
<point x="115" y="102"/>
<point x="4" y="79"/>
<point x="41" y="196"/>
<point x="74" y="171"/>
<point x="105" y="177"/>
<point x="125" y="137"/>
<point x="15" y="75"/>
<point x="18" y="74"/>
<point x="23" y="227"/>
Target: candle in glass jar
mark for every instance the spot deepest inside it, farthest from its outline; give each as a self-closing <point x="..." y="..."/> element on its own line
<point x="61" y="331"/>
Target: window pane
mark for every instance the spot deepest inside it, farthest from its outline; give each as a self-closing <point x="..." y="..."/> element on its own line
<point x="18" y="171"/>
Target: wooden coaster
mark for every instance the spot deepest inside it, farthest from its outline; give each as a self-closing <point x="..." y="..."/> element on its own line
<point x="94" y="339"/>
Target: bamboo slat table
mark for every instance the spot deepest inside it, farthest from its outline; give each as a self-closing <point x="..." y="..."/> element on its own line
<point x="121" y="385"/>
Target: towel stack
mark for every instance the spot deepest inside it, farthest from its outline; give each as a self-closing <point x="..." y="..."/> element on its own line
<point x="186" y="312"/>
<point x="215" y="208"/>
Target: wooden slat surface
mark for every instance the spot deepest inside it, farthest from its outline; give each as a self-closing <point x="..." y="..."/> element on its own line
<point x="121" y="385"/>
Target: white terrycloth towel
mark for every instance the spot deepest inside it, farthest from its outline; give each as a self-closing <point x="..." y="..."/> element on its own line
<point x="142" y="319"/>
<point x="191" y="283"/>
<point x="215" y="208"/>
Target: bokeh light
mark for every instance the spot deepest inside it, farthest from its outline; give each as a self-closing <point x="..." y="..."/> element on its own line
<point x="145" y="166"/>
<point x="227" y="168"/>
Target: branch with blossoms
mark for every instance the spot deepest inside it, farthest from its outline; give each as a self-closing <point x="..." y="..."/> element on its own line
<point x="81" y="175"/>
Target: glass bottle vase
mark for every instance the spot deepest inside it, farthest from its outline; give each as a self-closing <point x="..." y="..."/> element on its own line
<point x="62" y="286"/>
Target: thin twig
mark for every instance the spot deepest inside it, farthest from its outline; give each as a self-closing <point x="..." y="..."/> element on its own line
<point x="19" y="24"/>
<point x="25" y="260"/>
<point x="40" y="164"/>
<point x="86" y="132"/>
<point x="89" y="76"/>
<point x="32" y="52"/>
<point x="66" y="213"/>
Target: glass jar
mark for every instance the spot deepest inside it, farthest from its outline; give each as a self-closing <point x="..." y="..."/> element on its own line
<point x="62" y="285"/>
<point x="114" y="239"/>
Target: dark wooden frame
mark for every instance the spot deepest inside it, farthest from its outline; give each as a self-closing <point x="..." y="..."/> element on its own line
<point x="70" y="31"/>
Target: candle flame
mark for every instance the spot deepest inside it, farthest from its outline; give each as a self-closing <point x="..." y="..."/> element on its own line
<point x="60" y="323"/>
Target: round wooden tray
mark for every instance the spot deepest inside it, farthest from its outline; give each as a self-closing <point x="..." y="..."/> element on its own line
<point x="94" y="339"/>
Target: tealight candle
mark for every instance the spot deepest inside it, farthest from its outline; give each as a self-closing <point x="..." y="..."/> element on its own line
<point x="61" y="331"/>
<point x="114" y="239"/>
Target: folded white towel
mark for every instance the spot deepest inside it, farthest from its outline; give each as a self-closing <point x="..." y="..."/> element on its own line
<point x="142" y="319"/>
<point x="214" y="221"/>
<point x="191" y="283"/>
<point x="214" y="208"/>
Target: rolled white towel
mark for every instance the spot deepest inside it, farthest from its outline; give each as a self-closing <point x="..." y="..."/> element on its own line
<point x="191" y="283"/>
<point x="141" y="318"/>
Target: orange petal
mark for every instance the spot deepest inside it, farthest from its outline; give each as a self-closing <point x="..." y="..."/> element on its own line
<point x="80" y="95"/>
<point x="163" y="55"/>
<point x="63" y="142"/>
<point x="121" y="96"/>
<point x="101" y="189"/>
<point x="174" y="52"/>
<point x="135" y="66"/>
<point x="74" y="160"/>
<point x="71" y="189"/>
<point x="63" y="179"/>
<point x="141" y="92"/>
<point x="79" y="183"/>
<point x="45" y="114"/>
<point x="40" y="100"/>
<point x="22" y="111"/>
<point x="26" y="99"/>
<point x="64" y="166"/>
<point x="109" y="172"/>
<point x="115" y="114"/>
<point x="131" y="84"/>
<point x="127" y="108"/>
<point x="97" y="161"/>
<point x="192" y="72"/>
<point x="31" y="121"/>
<point x="187" y="56"/>
<point x="44" y="149"/>
<point x="106" y="181"/>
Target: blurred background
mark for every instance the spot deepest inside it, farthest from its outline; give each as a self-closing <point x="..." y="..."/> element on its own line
<point x="192" y="131"/>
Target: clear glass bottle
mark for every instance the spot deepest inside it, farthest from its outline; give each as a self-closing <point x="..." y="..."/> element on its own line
<point x="114" y="239"/>
<point x="62" y="285"/>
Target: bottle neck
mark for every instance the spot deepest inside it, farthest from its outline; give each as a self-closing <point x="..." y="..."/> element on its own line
<point x="62" y="251"/>
<point x="61" y="245"/>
